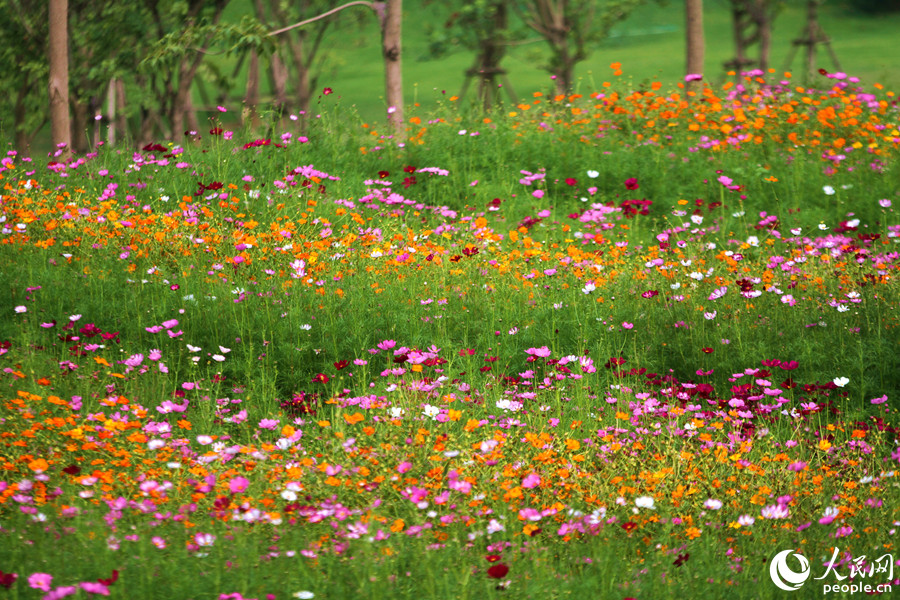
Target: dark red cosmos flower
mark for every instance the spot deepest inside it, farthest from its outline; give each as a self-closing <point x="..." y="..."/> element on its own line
<point x="571" y="181"/>
<point x="615" y="361"/>
<point x="320" y="378"/>
<point x="409" y="169"/>
<point x="327" y="91"/>
<point x="301" y="403"/>
<point x="112" y="579"/>
<point x="789" y="365"/>
<point x="408" y="181"/>
<point x="823" y="72"/>
<point x="154" y="148"/>
<point x="89" y="330"/>
<point x="628" y="525"/>
<point x="498" y="571"/>
<point x="682" y="558"/>
<point x="8" y="579"/>
<point x="383" y="174"/>
<point x="631" y="183"/>
<point x="492" y="558"/>
<point x="467" y="352"/>
<point x="257" y="143"/>
<point x="707" y="350"/>
<point x="113" y="335"/>
<point x="216" y="131"/>
<point x="341" y="364"/>
<point x="72" y="470"/>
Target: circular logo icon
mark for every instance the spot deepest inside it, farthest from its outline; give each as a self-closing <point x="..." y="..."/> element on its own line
<point x="783" y="576"/>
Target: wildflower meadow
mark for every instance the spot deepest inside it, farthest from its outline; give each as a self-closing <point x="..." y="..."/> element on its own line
<point x="628" y="343"/>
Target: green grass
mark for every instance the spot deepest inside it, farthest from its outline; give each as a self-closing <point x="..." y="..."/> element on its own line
<point x="237" y="372"/>
<point x="649" y="44"/>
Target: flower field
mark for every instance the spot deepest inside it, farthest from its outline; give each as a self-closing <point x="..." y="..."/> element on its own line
<point x="626" y="343"/>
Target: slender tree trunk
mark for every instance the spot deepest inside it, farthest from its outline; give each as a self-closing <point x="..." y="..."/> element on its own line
<point x="765" y="39"/>
<point x="60" y="127"/>
<point x="812" y="19"/>
<point x="80" y="136"/>
<point x="191" y="115"/>
<point x="279" y="81"/>
<point x="695" y="41"/>
<point x="250" y="114"/>
<point x="97" y="124"/>
<point x="121" y="116"/>
<point x="393" y="74"/>
<point x="565" y="74"/>
<point x="179" y="106"/>
<point x="23" y="140"/>
<point x="111" y="113"/>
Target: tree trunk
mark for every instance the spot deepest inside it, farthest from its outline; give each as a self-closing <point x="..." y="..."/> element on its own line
<point x="179" y="106"/>
<point x="80" y="136"/>
<point x="695" y="41"/>
<point x="23" y="140"/>
<point x="279" y="81"/>
<point x="60" y="126"/>
<point x="765" y="38"/>
<point x="250" y="114"/>
<point x="191" y="115"/>
<point x="121" y="116"/>
<point x="111" y="118"/>
<point x="393" y="74"/>
<point x="491" y="53"/>
<point x="812" y="21"/>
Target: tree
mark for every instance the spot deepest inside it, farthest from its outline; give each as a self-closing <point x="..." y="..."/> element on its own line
<point x="752" y="21"/>
<point x="481" y="26"/>
<point x="391" y="23"/>
<point x="571" y="28"/>
<point x="23" y="43"/>
<point x="300" y="51"/>
<point x="390" y="19"/>
<point x="107" y="49"/>
<point x="58" y="59"/>
<point x="695" y="40"/>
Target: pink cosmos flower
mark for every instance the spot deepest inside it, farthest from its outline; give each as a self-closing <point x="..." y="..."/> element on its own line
<point x="92" y="587"/>
<point x="61" y="592"/>
<point x="542" y="352"/>
<point x="40" y="581"/>
<point x="238" y="485"/>
<point x="532" y="480"/>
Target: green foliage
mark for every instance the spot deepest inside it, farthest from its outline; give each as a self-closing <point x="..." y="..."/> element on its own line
<point x="875" y="6"/>
<point x="468" y="27"/>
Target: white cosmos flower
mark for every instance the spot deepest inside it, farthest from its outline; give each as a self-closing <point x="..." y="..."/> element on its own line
<point x="645" y="502"/>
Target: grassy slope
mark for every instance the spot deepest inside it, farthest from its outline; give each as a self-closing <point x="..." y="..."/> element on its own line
<point x="649" y="44"/>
